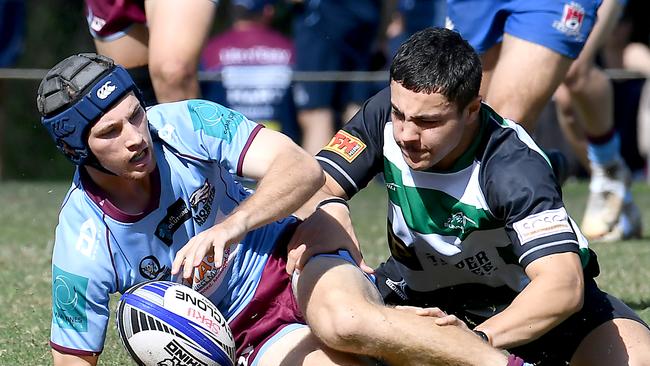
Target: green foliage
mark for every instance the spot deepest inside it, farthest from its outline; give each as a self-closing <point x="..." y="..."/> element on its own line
<point x="29" y="216"/>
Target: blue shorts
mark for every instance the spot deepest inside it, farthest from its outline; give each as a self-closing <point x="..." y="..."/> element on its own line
<point x="326" y="41"/>
<point x="562" y="26"/>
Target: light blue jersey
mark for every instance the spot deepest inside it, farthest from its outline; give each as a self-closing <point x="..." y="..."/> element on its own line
<point x="199" y="147"/>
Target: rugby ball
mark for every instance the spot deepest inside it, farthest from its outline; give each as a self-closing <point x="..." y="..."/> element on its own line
<point x="163" y="323"/>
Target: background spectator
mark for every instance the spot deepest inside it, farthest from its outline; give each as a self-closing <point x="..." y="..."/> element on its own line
<point x="332" y="35"/>
<point x="255" y="63"/>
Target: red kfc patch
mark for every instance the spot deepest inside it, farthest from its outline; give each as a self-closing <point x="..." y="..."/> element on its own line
<point x="345" y="145"/>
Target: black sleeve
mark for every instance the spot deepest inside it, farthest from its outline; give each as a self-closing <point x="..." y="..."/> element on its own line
<point x="521" y="190"/>
<point x="354" y="155"/>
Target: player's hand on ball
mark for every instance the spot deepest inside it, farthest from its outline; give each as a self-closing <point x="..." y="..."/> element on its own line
<point x="210" y="242"/>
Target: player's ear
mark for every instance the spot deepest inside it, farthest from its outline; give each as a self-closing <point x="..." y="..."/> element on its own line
<point x="473" y="108"/>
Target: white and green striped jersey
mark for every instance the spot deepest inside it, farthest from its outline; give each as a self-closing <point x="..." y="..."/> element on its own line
<point x="481" y="222"/>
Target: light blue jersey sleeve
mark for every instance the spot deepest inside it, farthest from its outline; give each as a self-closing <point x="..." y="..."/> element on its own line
<point x="204" y="130"/>
<point x="82" y="279"/>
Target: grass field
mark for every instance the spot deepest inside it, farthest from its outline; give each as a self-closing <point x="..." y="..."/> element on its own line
<point x="28" y="217"/>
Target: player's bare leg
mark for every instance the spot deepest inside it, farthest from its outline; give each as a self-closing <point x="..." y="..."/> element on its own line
<point x="345" y="311"/>
<point x="177" y="32"/>
<point x="587" y="96"/>
<point x="571" y="128"/>
<point x="301" y="347"/>
<point x="523" y="79"/>
<point x="616" y="342"/>
<point x="317" y="128"/>
<point x="130" y="50"/>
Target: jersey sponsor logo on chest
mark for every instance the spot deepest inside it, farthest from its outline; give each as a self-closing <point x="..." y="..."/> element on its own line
<point x="151" y="269"/>
<point x="479" y="263"/>
<point x="199" y="209"/>
<point x="207" y="277"/>
<point x="201" y="202"/>
<point x="459" y="221"/>
<point x="547" y="223"/>
<point x="346" y="146"/>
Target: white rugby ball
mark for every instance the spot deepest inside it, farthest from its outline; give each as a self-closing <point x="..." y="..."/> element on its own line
<point x="165" y="323"/>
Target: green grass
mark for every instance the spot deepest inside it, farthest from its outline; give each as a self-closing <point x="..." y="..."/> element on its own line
<point x="29" y="214"/>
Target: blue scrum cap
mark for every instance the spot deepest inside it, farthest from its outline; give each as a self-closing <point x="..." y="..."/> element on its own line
<point x="74" y="94"/>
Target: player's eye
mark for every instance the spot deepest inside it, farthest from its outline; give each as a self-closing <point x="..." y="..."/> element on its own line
<point x="136" y="116"/>
<point x="396" y="114"/>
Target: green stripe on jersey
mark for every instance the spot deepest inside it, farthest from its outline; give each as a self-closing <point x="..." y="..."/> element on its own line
<point x="430" y="211"/>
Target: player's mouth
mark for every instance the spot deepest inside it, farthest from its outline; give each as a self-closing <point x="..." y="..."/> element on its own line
<point x="413" y="154"/>
<point x="140" y="157"/>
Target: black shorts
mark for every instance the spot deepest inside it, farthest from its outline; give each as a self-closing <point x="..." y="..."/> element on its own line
<point x="554" y="348"/>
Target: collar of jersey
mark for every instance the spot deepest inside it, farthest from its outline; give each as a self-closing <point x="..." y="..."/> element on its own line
<point x="100" y="198"/>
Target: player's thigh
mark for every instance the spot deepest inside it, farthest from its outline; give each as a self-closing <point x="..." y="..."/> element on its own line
<point x="489" y="62"/>
<point x="130" y="50"/>
<point x="524" y="78"/>
<point x="616" y="342"/>
<point x="178" y="29"/>
<point x="329" y="281"/>
<point x="301" y="347"/>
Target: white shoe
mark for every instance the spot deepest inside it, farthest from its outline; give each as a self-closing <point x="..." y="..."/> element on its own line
<point x="629" y="225"/>
<point x="606" y="193"/>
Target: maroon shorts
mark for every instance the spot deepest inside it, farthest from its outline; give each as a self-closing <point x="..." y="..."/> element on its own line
<point x="110" y="19"/>
<point x="272" y="308"/>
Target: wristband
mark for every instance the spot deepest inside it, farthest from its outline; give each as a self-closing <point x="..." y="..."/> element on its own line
<point x="333" y="200"/>
<point x="515" y="361"/>
<point x="482" y="335"/>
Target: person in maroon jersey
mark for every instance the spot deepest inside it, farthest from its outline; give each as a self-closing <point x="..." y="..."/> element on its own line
<point x="161" y="38"/>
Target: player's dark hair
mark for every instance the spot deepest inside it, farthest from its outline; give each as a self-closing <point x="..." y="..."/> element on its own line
<point x="438" y="60"/>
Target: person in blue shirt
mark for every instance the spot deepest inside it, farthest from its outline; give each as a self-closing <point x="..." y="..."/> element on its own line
<point x="146" y="183"/>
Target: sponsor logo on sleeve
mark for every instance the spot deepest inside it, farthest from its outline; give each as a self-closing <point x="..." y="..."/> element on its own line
<point x="215" y="120"/>
<point x="69" y="300"/>
<point x="543" y="224"/>
<point x="346" y="145"/>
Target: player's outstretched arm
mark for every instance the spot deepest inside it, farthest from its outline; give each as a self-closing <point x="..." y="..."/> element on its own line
<point x="531" y="314"/>
<point x="62" y="359"/>
<point x="288" y="177"/>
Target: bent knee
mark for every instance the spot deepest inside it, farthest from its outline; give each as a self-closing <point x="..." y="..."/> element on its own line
<point x="173" y="72"/>
<point x="342" y="327"/>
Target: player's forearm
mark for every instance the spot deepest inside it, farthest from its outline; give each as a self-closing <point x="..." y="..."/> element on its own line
<point x="289" y="182"/>
<point x="331" y="189"/>
<point x="543" y="304"/>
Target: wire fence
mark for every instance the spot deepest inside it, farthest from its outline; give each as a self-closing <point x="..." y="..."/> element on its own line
<point x="303" y="76"/>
